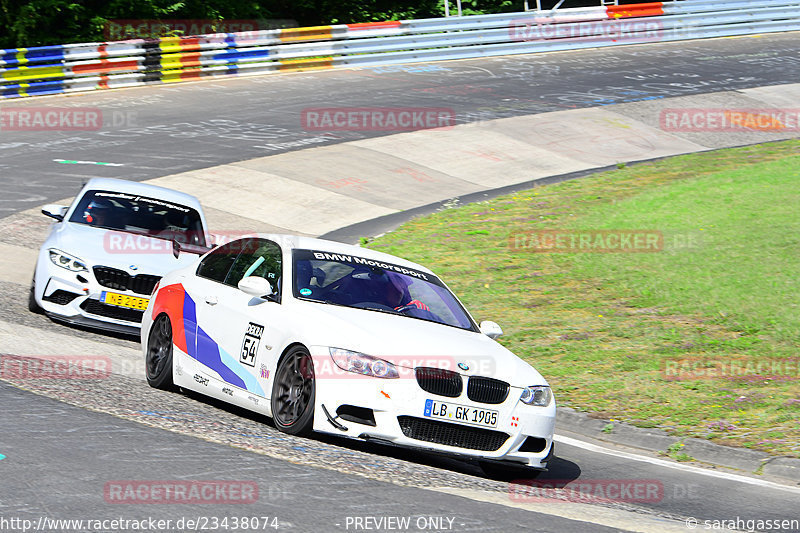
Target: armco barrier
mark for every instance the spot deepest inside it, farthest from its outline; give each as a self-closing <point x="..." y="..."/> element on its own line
<point x="87" y="67"/>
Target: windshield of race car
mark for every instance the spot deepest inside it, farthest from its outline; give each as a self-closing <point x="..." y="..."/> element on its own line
<point x="362" y="283"/>
<point x="141" y="215"/>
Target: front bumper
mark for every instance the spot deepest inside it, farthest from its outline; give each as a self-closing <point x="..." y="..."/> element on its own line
<point x="523" y="433"/>
<point x="76" y="298"/>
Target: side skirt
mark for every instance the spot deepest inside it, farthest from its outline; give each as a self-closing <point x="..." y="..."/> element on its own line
<point x="190" y="374"/>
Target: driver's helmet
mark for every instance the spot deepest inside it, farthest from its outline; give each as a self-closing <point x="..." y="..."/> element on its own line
<point x="397" y="281"/>
<point x="97" y="208"/>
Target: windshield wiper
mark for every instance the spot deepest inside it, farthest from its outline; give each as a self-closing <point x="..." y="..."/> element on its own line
<point x="331" y="302"/>
<point x="387" y="311"/>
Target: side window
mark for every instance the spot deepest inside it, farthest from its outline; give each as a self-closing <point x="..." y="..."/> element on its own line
<point x="259" y="257"/>
<point x="216" y="264"/>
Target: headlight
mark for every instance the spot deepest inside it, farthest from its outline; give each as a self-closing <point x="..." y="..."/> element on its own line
<point x="363" y="364"/>
<point x="537" y="395"/>
<point x="67" y="261"/>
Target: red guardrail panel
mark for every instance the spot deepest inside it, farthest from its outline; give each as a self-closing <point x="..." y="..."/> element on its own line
<point x="649" y="9"/>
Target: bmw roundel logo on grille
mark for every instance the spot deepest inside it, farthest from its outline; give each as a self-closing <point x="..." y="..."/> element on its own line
<point x="133" y="267"/>
<point x="463" y="366"/>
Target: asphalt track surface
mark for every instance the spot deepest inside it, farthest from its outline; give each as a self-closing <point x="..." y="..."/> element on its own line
<point x="59" y="457"/>
<point x="160" y="130"/>
<point x="84" y="447"/>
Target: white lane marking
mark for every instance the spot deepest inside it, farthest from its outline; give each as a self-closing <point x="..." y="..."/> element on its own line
<point x="77" y="162"/>
<point x="676" y="466"/>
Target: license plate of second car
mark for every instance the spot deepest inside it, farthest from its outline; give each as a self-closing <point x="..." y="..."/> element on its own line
<point x="123" y="300"/>
<point x="462" y="414"/>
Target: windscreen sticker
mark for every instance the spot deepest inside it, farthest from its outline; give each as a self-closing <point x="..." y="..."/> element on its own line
<point x="344" y="258"/>
<point x="137" y="198"/>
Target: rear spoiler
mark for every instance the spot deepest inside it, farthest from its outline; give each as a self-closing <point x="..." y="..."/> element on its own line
<point x="178" y="247"/>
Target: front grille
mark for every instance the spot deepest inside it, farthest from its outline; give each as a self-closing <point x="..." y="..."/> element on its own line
<point x="95" y="307"/>
<point x="449" y="434"/>
<point x="114" y="278"/>
<point x="438" y="381"/>
<point x="60" y="297"/>
<point x="487" y="390"/>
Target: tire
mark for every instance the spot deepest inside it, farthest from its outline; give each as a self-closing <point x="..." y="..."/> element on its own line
<point x="158" y="361"/>
<point x="293" y="393"/>
<point x="33" y="307"/>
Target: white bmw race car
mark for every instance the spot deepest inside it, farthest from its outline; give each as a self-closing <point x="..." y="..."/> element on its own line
<point x="106" y="252"/>
<point x="328" y="337"/>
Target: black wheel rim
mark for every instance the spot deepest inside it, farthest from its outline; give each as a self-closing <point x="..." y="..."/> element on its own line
<point x="295" y="381"/>
<point x="160" y="346"/>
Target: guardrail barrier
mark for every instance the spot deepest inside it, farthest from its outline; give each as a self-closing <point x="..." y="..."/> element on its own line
<point x="86" y="67"/>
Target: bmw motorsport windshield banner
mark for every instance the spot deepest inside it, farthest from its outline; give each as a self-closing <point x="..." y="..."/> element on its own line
<point x="315" y="255"/>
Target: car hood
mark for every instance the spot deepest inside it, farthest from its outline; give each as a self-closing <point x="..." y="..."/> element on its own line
<point x="410" y="342"/>
<point x="117" y="249"/>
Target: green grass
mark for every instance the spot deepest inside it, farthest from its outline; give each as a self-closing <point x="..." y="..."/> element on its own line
<point x="602" y="327"/>
<point x="674" y="451"/>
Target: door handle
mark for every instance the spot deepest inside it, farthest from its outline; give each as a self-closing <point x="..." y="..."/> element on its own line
<point x="211" y="300"/>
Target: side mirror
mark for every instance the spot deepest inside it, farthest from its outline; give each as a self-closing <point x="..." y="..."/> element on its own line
<point x="490" y="329"/>
<point x="255" y="286"/>
<point x="55" y="211"/>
